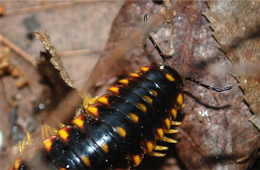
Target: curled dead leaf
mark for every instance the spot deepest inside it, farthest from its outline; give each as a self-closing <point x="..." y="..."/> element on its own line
<point x="55" y="59"/>
<point x="238" y="35"/>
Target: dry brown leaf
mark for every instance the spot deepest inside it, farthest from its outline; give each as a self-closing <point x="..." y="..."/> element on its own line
<point x="236" y="26"/>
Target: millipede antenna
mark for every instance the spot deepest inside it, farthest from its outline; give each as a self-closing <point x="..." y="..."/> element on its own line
<point x="207" y="86"/>
<point x="185" y="78"/>
<point x="154" y="43"/>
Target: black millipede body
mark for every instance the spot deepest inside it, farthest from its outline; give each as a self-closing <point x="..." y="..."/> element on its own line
<point x="121" y="126"/>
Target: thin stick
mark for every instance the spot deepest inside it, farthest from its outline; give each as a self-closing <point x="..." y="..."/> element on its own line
<point x="18" y="51"/>
<point x="44" y="7"/>
<point x="78" y="52"/>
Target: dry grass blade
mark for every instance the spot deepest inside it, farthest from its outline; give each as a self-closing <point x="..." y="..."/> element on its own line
<point x="17" y="50"/>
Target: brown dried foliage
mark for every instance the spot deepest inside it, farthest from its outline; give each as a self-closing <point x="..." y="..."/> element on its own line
<point x="236" y="26"/>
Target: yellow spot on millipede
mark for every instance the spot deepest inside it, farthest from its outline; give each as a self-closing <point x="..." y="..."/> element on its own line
<point x="174" y="113"/>
<point x="104" y="147"/>
<point x="160" y="133"/>
<point x="167" y="123"/>
<point x="124" y="81"/>
<point x="63" y="134"/>
<point x="134" y="117"/>
<point x="92" y="110"/>
<point x="154" y="92"/>
<point x="148" y="99"/>
<point x="169" y="77"/>
<point x="142" y="107"/>
<point x="180" y="99"/>
<point x="149" y="146"/>
<point x="137" y="159"/>
<point x="103" y="100"/>
<point x="78" y="121"/>
<point x="121" y="131"/>
<point x="86" y="161"/>
<point x="47" y="144"/>
<point x="134" y="75"/>
<point x="114" y="89"/>
<point x="144" y="69"/>
<point x="17" y="163"/>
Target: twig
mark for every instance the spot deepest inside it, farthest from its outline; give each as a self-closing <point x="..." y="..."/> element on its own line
<point x="7" y="97"/>
<point x="18" y="51"/>
<point x="45" y="7"/>
<point x="79" y="52"/>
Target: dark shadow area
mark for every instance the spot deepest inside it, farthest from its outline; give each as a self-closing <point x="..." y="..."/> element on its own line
<point x="204" y="104"/>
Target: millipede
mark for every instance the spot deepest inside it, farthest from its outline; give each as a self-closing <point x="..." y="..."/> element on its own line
<point x="122" y="125"/>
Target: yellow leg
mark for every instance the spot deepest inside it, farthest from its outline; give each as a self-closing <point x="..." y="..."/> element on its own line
<point x="156" y="154"/>
<point x="172" y="131"/>
<point x="161" y="148"/>
<point x="48" y="131"/>
<point x="88" y="100"/>
<point x="169" y="140"/>
<point x="29" y="138"/>
<point x="175" y="123"/>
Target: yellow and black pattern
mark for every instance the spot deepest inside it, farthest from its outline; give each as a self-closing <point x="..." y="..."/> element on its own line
<point x="121" y="126"/>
